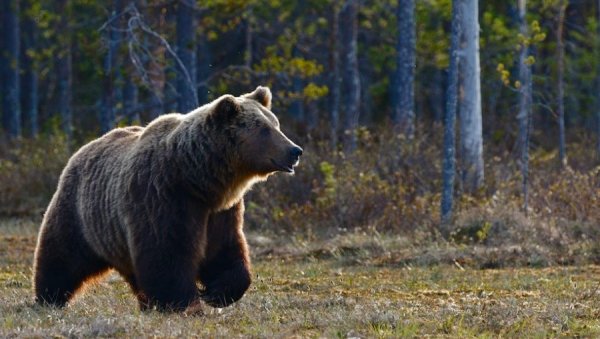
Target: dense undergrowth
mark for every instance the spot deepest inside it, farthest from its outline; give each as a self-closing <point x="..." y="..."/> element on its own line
<point x="391" y="186"/>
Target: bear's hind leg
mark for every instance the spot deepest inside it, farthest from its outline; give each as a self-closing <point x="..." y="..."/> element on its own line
<point x="62" y="265"/>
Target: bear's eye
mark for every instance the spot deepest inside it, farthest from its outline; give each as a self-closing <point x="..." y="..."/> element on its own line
<point x="265" y="131"/>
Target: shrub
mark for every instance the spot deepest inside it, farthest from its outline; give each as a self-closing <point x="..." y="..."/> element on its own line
<point x="29" y="171"/>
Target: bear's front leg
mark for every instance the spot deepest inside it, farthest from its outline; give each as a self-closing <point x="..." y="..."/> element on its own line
<point x="225" y="272"/>
<point x="166" y="283"/>
<point x="165" y="264"/>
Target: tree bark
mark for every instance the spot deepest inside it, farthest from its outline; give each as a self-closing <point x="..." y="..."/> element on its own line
<point x="524" y="115"/>
<point x="352" y="82"/>
<point x="130" y="101"/>
<point x="335" y="83"/>
<point x="449" y="163"/>
<point x="186" y="51"/>
<point x="65" y="80"/>
<point x="471" y="138"/>
<point x="436" y="97"/>
<point x="560" y="48"/>
<point x="297" y="105"/>
<point x="107" y="112"/>
<point x="598" y="84"/>
<point x="203" y="69"/>
<point x="30" y="83"/>
<point x="404" y="111"/>
<point x="524" y="78"/>
<point x="9" y="60"/>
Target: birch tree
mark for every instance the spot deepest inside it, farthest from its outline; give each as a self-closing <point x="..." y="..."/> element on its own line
<point x="449" y="162"/>
<point x="471" y="138"/>
<point x="524" y="113"/>
<point x="404" y="110"/>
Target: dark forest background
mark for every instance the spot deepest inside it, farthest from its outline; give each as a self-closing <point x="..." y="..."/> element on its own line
<point x="462" y="119"/>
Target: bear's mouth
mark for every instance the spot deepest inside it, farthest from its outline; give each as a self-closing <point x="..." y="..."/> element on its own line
<point x="284" y="168"/>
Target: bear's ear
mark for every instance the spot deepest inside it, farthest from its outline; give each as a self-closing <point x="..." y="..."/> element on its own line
<point x="226" y="108"/>
<point x="262" y="95"/>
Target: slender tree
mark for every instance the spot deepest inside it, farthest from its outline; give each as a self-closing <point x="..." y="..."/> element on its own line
<point x="29" y="66"/>
<point x="560" y="51"/>
<point x="9" y="61"/>
<point x="186" y="51"/>
<point x="525" y="91"/>
<point x="297" y="105"/>
<point x="203" y="68"/>
<point x="130" y="100"/>
<point x="334" y="67"/>
<point x="349" y="22"/>
<point x="524" y="78"/>
<point x="107" y="111"/>
<point x="64" y="69"/>
<point x="598" y="83"/>
<point x="471" y="137"/>
<point x="404" y="110"/>
<point x="449" y="167"/>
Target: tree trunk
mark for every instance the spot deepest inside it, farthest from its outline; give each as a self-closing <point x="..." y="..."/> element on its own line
<point x="203" y="69"/>
<point x="65" y="80"/>
<point x="297" y="105"/>
<point x="352" y="81"/>
<point x="107" y="111"/>
<point x="334" y="67"/>
<point x="9" y="61"/>
<point x="524" y="115"/>
<point x="560" y="48"/>
<point x="29" y="92"/>
<point x="471" y="138"/>
<point x="436" y="96"/>
<point x="65" y="93"/>
<point x="130" y="100"/>
<point x="524" y="78"/>
<point x="248" y="38"/>
<point x="598" y="84"/>
<point x="186" y="51"/>
<point x="404" y="111"/>
<point x="449" y="163"/>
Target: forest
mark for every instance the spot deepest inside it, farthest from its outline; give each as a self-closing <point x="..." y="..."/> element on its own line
<point x="450" y="182"/>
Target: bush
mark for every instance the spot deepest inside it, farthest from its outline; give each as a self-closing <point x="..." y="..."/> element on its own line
<point x="388" y="185"/>
<point x="29" y="171"/>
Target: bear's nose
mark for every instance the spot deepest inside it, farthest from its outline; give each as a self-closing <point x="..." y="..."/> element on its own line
<point x="296" y="152"/>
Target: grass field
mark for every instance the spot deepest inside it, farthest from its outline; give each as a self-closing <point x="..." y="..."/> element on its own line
<point x="307" y="294"/>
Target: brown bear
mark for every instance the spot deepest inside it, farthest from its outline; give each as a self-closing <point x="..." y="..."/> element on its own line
<point x="163" y="206"/>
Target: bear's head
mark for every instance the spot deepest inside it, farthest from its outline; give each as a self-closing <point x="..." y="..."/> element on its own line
<point x="261" y="147"/>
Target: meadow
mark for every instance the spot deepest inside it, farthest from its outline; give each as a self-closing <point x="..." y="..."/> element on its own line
<point x="359" y="285"/>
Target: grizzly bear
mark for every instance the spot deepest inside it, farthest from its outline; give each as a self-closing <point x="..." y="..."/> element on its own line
<point x="163" y="206"/>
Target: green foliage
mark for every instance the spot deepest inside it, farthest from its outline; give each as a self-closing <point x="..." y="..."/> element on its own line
<point x="473" y="233"/>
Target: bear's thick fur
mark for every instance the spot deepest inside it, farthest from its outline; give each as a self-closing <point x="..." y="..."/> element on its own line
<point x="163" y="206"/>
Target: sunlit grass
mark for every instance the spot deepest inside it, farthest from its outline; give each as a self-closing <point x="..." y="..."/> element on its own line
<point x="332" y="296"/>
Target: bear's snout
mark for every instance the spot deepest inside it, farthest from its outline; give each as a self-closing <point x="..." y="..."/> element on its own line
<point x="295" y="153"/>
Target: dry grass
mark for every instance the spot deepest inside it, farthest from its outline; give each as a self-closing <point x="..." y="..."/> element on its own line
<point x="350" y="287"/>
